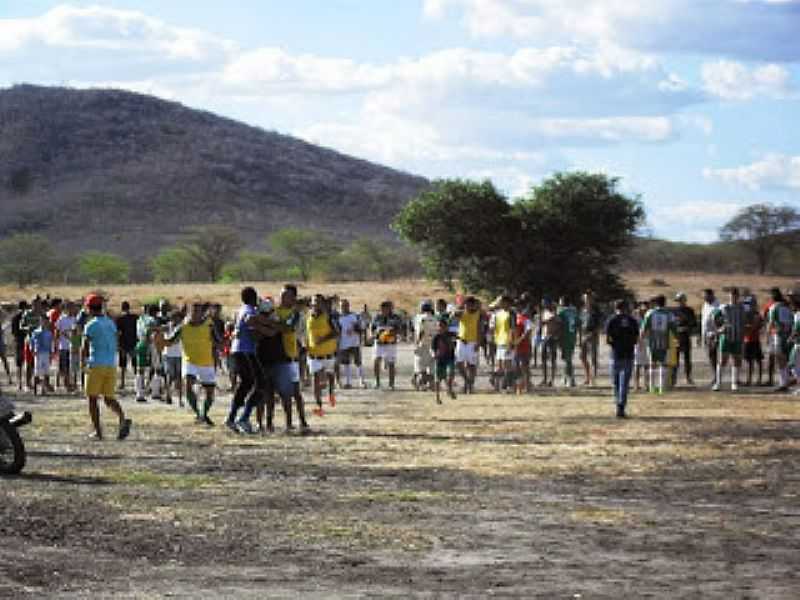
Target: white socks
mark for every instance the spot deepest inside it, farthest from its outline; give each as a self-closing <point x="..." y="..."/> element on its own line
<point x="138" y="385"/>
<point x="155" y="386"/>
<point x="734" y="378"/>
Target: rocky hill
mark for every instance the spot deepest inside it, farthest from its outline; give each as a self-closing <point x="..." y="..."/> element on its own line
<point x="125" y="172"/>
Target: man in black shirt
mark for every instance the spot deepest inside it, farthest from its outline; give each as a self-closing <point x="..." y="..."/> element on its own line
<point x="126" y="326"/>
<point x="622" y="333"/>
<point x="19" y="340"/>
<point x="685" y="323"/>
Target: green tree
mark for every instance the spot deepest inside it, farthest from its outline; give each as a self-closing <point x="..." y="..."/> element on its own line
<point x="566" y="235"/>
<point x="103" y="267"/>
<point x="762" y="229"/>
<point x="27" y="258"/>
<point x="303" y="248"/>
<point x="207" y="249"/>
<point x="171" y="265"/>
<point x="252" y="266"/>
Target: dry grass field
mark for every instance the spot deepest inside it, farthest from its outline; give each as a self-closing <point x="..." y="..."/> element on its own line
<point x="406" y="294"/>
<point x="488" y="495"/>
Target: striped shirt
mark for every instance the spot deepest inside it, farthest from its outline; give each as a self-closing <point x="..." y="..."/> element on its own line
<point x="731" y="317"/>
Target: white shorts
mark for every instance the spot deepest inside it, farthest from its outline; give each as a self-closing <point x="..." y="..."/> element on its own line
<point x="295" y="367"/>
<point x="423" y="362"/>
<point x="505" y="353"/>
<point x="315" y="365"/>
<point x="205" y="375"/>
<point x="388" y="352"/>
<point x="467" y="352"/>
<point x="41" y="364"/>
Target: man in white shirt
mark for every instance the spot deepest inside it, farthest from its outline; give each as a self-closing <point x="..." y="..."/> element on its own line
<point x="709" y="334"/>
<point x="64" y="326"/>
<point x="425" y="328"/>
<point x="349" y="344"/>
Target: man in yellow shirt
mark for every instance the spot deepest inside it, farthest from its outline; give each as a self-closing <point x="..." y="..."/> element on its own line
<point x="323" y="336"/>
<point x="502" y="325"/>
<point x="197" y="340"/>
<point x="467" y="342"/>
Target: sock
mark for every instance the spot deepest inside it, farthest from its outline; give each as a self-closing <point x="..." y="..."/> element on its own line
<point x="155" y="386"/>
<point x="652" y="386"/>
<point x="734" y="377"/>
<point x="783" y="376"/>
<point x="719" y="374"/>
<point x="360" y="374"/>
<point x="139" y="385"/>
<point x="661" y="378"/>
<point x="191" y="398"/>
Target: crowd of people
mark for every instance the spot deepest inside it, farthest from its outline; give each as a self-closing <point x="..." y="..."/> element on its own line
<point x="271" y="349"/>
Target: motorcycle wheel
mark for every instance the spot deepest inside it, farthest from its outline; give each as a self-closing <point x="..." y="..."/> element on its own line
<point x="12" y="450"/>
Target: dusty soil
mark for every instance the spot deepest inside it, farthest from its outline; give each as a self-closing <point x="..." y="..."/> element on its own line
<point x="543" y="495"/>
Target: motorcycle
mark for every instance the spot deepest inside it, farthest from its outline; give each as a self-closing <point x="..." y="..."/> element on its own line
<point x="12" y="449"/>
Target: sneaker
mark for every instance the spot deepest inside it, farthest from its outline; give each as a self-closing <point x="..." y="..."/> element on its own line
<point x="348" y="386"/>
<point x="621" y="413"/>
<point x="305" y="429"/>
<point x="735" y="387"/>
<point x="94" y="436"/>
<point x="199" y="420"/>
<point x="715" y="387"/>
<point x="452" y="395"/>
<point x="124" y="429"/>
<point x="363" y="385"/>
<point x="232" y="426"/>
<point x="244" y="427"/>
<point x="207" y="420"/>
<point x="781" y="389"/>
<point x="141" y="399"/>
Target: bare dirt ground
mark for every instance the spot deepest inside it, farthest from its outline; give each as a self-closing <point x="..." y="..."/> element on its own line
<point x="543" y="495"/>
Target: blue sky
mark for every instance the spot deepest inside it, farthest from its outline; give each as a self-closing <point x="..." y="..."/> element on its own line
<point x="694" y="104"/>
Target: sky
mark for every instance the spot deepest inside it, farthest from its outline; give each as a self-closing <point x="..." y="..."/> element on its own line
<point x="693" y="104"/>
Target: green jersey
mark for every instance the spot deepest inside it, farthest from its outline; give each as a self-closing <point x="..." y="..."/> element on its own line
<point x="656" y="327"/>
<point x="569" y="325"/>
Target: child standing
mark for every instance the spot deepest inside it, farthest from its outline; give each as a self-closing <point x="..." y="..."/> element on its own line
<point x="41" y="345"/>
<point x="443" y="350"/>
<point x="64" y="325"/>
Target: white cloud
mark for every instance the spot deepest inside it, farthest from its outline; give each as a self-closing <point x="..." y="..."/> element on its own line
<point x="732" y="80"/>
<point x="772" y="171"/>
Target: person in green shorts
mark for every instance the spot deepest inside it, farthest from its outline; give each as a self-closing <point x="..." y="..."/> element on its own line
<point x="443" y="350"/>
<point x="568" y="315"/>
<point x="657" y="326"/>
<point x="780" y="322"/>
<point x="729" y="321"/>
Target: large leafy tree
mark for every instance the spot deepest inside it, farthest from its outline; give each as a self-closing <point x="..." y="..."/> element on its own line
<point x="103" y="267"/>
<point x="762" y="229"/>
<point x="303" y="248"/>
<point x="27" y="258"/>
<point x="565" y="236"/>
<point x="207" y="249"/>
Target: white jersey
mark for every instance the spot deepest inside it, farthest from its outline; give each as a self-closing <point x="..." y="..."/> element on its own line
<point x="350" y="336"/>
<point x="173" y="350"/>
<point x="425" y="328"/>
<point x="707" y="325"/>
<point x="64" y="326"/>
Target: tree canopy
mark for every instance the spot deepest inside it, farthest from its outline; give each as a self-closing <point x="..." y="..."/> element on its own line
<point x="302" y="248"/>
<point x="565" y="236"/>
<point x="103" y="267"/>
<point x="763" y="229"/>
<point x="27" y="258"/>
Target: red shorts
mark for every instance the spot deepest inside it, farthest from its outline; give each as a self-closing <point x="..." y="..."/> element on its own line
<point x="28" y="354"/>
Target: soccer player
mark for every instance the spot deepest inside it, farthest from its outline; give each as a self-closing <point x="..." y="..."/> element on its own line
<point x="753" y="324"/>
<point x="173" y="358"/>
<point x="622" y="333"/>
<point x="640" y="359"/>
<point x="467" y="343"/>
<point x="550" y="326"/>
<point x="568" y="315"/>
<point x="780" y="321"/>
<point x="385" y="330"/>
<point x="425" y="328"/>
<point x="349" y="344"/>
<point x="289" y="321"/>
<point x="100" y="354"/>
<point x="522" y="352"/>
<point x="591" y="322"/>
<point x="444" y="358"/>
<point x="126" y="326"/>
<point x="708" y="331"/>
<point x="502" y="326"/>
<point x="657" y="328"/>
<point x="323" y="336"/>
<point x="729" y="320"/>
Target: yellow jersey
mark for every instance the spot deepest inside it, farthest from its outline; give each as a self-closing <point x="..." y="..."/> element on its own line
<point x="198" y="344"/>
<point x="468" y="326"/>
<point x="289" y="337"/>
<point x="319" y="327"/>
<point x="502" y="328"/>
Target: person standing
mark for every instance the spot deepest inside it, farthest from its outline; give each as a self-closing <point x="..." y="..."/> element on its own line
<point x="550" y="333"/>
<point x="385" y="330"/>
<point x="323" y="337"/>
<point x="443" y="352"/>
<point x="685" y="324"/>
<point x="349" y="345"/>
<point x="729" y="320"/>
<point x="502" y="327"/>
<point x="753" y="323"/>
<point x="591" y="322"/>
<point x="19" y="340"/>
<point x="657" y="328"/>
<point x="568" y="315"/>
<point x="63" y="329"/>
<point x="126" y="326"/>
<point x="243" y="352"/>
<point x="100" y="354"/>
<point x="622" y="334"/>
<point x="708" y="332"/>
<point x="467" y="342"/>
<point x="780" y="321"/>
<point x="425" y="327"/>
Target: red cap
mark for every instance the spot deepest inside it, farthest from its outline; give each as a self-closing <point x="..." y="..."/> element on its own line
<point x="94" y="301"/>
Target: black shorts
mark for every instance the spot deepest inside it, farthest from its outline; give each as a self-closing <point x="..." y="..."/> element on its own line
<point x="63" y="361"/>
<point x="752" y="351"/>
<point x="347" y="354"/>
<point x="19" y="357"/>
<point x="124" y="355"/>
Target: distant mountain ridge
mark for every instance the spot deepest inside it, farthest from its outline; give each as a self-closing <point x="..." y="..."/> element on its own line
<point x="126" y="172"/>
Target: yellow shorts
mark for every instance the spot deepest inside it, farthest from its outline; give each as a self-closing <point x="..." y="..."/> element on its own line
<point x="101" y="381"/>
